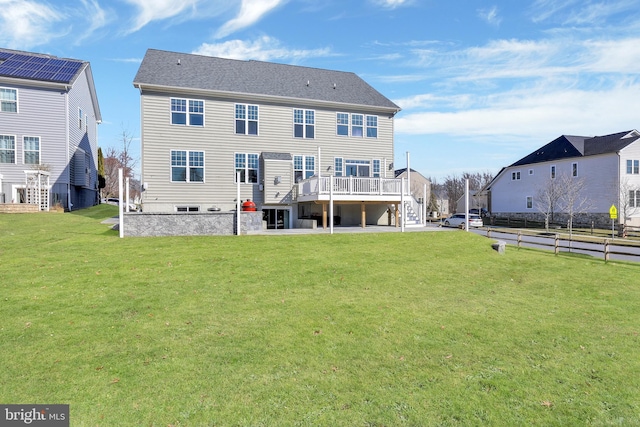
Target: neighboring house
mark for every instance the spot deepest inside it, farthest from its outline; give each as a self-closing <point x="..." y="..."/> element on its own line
<point x="286" y="131"/>
<point x="477" y="200"/>
<point x="48" y="131"/>
<point x="609" y="166"/>
<point x="419" y="188"/>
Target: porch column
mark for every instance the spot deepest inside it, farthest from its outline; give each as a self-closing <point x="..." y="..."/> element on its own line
<point x="324" y="216"/>
<point x="363" y="215"/>
<point x="397" y="215"/>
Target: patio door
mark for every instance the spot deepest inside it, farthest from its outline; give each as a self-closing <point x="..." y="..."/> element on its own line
<point x="357" y="169"/>
<point x="277" y="219"/>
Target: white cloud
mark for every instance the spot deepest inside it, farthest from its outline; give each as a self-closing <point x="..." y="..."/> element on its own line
<point x="28" y="23"/>
<point x="96" y="16"/>
<point x="251" y="11"/>
<point x="263" y="49"/>
<point x="491" y="16"/>
<point x="153" y="10"/>
<point x="392" y="4"/>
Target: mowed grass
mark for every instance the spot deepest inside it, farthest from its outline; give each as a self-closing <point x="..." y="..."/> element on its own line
<point x="389" y="329"/>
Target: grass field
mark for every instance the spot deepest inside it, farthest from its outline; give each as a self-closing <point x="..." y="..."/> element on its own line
<point x="389" y="329"/>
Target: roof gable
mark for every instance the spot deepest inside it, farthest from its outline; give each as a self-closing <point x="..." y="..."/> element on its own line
<point x="560" y="148"/>
<point x="568" y="146"/>
<point x="39" y="67"/>
<point x="205" y="73"/>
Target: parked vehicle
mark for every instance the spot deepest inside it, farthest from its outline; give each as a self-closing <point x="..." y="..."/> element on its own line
<point x="482" y="212"/>
<point x="458" y="220"/>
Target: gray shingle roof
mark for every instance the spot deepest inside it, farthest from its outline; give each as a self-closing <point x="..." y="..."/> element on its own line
<point x="567" y="146"/>
<point x="206" y="73"/>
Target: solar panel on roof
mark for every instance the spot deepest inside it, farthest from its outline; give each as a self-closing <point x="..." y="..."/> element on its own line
<point x="38" y="67"/>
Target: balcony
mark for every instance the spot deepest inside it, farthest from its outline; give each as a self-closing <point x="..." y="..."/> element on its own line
<point x="349" y="189"/>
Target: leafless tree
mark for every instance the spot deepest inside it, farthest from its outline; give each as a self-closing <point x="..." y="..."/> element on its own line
<point x="547" y="198"/>
<point x="115" y="159"/>
<point x="574" y="199"/>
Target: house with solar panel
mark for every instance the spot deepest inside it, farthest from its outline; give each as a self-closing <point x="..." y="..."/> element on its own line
<point x="48" y="132"/>
<point x="608" y="166"/>
<point x="300" y="143"/>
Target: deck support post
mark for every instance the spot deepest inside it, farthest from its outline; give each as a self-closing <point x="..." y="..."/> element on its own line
<point x="363" y="215"/>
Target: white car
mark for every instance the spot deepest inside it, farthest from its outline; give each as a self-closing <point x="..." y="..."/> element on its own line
<point x="457" y="220"/>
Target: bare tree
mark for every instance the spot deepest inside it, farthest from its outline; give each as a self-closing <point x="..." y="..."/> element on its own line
<point x="116" y="159"/>
<point x="574" y="199"/>
<point x="547" y="198"/>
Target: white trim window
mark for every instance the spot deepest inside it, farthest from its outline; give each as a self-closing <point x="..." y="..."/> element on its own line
<point x="7" y="149"/>
<point x="187" y="112"/>
<point x="31" y="146"/>
<point x="304" y="167"/>
<point x="8" y="100"/>
<point x="357" y="125"/>
<point x="376" y="168"/>
<point x="246" y="119"/>
<point x="247" y="165"/>
<point x="187" y="166"/>
<point x="80" y="118"/>
<point x="634" y="198"/>
<point x="515" y="176"/>
<point x="338" y="166"/>
<point x="342" y="124"/>
<point x="633" y="167"/>
<point x="529" y="202"/>
<point x="372" y="126"/>
<point x="553" y="171"/>
<point x="574" y="170"/>
<point x="304" y="123"/>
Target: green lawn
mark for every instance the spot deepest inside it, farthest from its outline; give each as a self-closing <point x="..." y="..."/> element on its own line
<point x="386" y="329"/>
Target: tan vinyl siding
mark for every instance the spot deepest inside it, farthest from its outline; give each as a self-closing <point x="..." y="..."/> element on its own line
<point x="220" y="143"/>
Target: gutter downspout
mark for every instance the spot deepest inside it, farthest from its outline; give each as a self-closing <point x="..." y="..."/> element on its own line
<point x="66" y="102"/>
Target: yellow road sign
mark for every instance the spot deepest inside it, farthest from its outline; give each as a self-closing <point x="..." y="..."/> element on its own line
<point x="613" y="212"/>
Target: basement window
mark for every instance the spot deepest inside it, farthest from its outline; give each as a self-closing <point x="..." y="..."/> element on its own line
<point x="187" y="208"/>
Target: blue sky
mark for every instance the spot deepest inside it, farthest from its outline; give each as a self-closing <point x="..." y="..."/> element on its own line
<point x="480" y="83"/>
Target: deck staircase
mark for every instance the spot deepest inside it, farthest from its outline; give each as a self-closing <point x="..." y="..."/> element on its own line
<point x="413" y="218"/>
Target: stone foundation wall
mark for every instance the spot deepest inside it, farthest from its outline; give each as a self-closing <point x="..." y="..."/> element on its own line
<point x="599" y="220"/>
<point x="149" y="224"/>
<point x="18" y="208"/>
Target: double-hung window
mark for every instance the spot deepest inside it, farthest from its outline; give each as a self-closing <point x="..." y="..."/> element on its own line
<point x="304" y="123"/>
<point x="357" y="125"/>
<point x="376" y="168"/>
<point x="372" y="126"/>
<point x="7" y="149"/>
<point x="187" y="112"/>
<point x="187" y="166"/>
<point x="342" y="124"/>
<point x="80" y="118"/>
<point x="553" y="171"/>
<point x="246" y="119"/>
<point x="8" y="100"/>
<point x="634" y="198"/>
<point x="633" y="167"/>
<point x="31" y="150"/>
<point x="247" y="165"/>
<point x="338" y="165"/>
<point x="529" y="202"/>
<point x="303" y="167"/>
<point x="515" y="176"/>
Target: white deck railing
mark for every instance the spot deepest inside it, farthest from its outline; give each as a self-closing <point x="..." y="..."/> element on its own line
<point x="349" y="185"/>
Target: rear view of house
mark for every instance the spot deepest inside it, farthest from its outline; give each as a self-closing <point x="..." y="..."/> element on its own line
<point x="48" y="131"/>
<point x="280" y="133"/>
